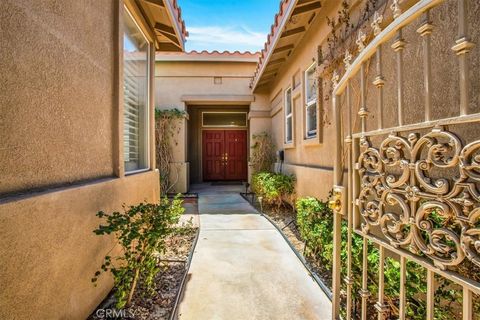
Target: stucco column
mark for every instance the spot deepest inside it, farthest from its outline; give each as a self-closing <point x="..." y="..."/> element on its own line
<point x="260" y="121"/>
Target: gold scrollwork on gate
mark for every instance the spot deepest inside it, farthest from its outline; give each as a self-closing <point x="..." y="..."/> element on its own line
<point x="422" y="193"/>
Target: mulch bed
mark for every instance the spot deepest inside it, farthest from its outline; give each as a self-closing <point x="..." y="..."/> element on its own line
<point x="160" y="305"/>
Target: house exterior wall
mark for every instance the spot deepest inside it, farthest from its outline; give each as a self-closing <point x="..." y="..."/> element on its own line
<point x="45" y="108"/>
<point x="312" y="161"/>
<point x="49" y="252"/>
<point x="179" y="84"/>
<point x="61" y="159"/>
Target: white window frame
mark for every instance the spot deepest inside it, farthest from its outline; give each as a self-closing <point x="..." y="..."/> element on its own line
<point x="146" y="120"/>
<point x="309" y="134"/>
<point x="288" y="115"/>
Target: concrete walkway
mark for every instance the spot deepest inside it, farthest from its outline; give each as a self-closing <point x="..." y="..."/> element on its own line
<point x="242" y="267"/>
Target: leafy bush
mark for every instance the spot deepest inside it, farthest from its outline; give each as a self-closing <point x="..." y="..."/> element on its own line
<point x="315" y="226"/>
<point x="274" y="188"/>
<point x="315" y="222"/>
<point x="140" y="230"/>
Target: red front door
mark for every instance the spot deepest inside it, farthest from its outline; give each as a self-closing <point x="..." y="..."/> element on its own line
<point x="224" y="155"/>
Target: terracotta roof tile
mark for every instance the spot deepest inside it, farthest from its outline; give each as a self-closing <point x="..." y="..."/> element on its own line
<point x="224" y="53"/>
<point x="177" y="11"/>
<point x="205" y="55"/>
<point x="273" y="30"/>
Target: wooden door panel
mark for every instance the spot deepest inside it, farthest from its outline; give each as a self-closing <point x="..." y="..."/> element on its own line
<point x="236" y="152"/>
<point x="213" y="151"/>
<point x="224" y="155"/>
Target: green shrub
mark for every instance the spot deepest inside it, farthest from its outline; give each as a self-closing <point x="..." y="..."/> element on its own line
<point x="258" y="180"/>
<point x="315" y="226"/>
<point x="315" y="222"/>
<point x="140" y="231"/>
<point x="274" y="188"/>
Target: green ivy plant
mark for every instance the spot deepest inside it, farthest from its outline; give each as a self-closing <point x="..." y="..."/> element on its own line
<point x="140" y="230"/>
<point x="274" y="188"/>
<point x="167" y="128"/>
<point x="262" y="155"/>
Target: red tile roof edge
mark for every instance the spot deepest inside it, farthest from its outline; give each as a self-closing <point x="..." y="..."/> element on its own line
<point x="273" y="30"/>
<point x="177" y="11"/>
<point x="226" y="52"/>
<point x="242" y="56"/>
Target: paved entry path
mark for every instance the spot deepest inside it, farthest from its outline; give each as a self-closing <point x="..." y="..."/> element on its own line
<point x="242" y="267"/>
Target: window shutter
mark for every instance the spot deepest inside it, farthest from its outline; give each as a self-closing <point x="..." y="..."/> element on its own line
<point x="131" y="111"/>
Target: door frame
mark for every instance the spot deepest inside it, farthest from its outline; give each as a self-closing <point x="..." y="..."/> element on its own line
<point x="202" y="129"/>
<point x="193" y="146"/>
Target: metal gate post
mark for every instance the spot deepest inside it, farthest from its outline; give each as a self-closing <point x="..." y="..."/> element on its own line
<point x="337" y="220"/>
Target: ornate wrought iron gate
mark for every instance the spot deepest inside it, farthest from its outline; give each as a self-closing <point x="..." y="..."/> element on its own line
<point x="412" y="189"/>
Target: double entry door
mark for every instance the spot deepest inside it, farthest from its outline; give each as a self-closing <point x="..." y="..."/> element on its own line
<point x="224" y="155"/>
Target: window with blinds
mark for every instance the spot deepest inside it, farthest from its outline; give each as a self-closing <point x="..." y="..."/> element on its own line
<point x="135" y="72"/>
<point x="288" y="116"/>
<point x="310" y="102"/>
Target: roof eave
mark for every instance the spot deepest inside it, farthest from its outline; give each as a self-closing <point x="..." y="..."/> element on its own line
<point x="173" y="16"/>
<point x="276" y="37"/>
<point x="164" y="16"/>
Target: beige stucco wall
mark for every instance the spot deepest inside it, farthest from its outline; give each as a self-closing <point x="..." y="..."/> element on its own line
<point x="59" y="60"/>
<point x="174" y="80"/>
<point x="311" y="181"/>
<point x="59" y="155"/>
<point x="49" y="252"/>
<point x="177" y="78"/>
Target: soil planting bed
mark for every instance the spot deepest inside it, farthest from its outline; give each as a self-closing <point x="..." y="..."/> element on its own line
<point x="160" y="305"/>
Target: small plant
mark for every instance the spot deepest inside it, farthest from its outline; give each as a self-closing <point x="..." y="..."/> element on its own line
<point x="274" y="188"/>
<point x="262" y="156"/>
<point x="140" y="230"/>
